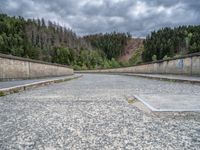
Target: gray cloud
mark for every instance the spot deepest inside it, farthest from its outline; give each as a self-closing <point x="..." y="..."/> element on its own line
<point x="139" y="17"/>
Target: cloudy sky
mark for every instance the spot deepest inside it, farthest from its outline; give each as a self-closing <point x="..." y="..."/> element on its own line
<point x="139" y="17"/>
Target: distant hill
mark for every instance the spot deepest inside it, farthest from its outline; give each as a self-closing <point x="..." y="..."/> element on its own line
<point x="112" y="44"/>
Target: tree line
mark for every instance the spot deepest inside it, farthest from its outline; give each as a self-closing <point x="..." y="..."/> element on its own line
<point x="112" y="44"/>
<point x="48" y="41"/>
<point x="171" y="42"/>
<point x="35" y="39"/>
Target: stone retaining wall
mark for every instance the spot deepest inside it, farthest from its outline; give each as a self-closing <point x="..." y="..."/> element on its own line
<point x="12" y="67"/>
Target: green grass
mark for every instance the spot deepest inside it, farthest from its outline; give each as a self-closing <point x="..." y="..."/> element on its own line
<point x="136" y="57"/>
<point x="131" y="101"/>
<point x="2" y="94"/>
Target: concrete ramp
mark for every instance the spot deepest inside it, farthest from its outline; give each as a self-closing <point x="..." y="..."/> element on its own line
<point x="178" y="103"/>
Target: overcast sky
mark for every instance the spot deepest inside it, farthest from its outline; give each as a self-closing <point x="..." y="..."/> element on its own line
<point x="139" y="17"/>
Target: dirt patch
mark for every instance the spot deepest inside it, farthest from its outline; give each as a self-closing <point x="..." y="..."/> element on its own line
<point x="130" y="48"/>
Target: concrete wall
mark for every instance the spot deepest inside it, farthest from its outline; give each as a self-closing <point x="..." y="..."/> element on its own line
<point x="186" y="65"/>
<point x="20" y="68"/>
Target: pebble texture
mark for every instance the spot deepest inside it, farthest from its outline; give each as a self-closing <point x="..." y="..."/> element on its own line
<point x="93" y="113"/>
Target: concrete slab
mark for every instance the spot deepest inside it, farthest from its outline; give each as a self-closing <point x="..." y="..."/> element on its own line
<point x="160" y="102"/>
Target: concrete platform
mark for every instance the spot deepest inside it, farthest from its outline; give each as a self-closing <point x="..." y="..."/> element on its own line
<point x="167" y="103"/>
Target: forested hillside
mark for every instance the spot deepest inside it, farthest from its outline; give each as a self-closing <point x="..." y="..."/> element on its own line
<point x="48" y="41"/>
<point x="36" y="39"/>
<point x="171" y="42"/>
<point x="112" y="44"/>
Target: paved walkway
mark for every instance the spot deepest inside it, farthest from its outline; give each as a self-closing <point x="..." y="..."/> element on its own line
<point x="182" y="78"/>
<point x="11" y="87"/>
<point x="93" y="112"/>
<point x="12" y="83"/>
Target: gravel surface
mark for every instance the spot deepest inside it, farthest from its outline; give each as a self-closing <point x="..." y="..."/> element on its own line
<point x="93" y="113"/>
